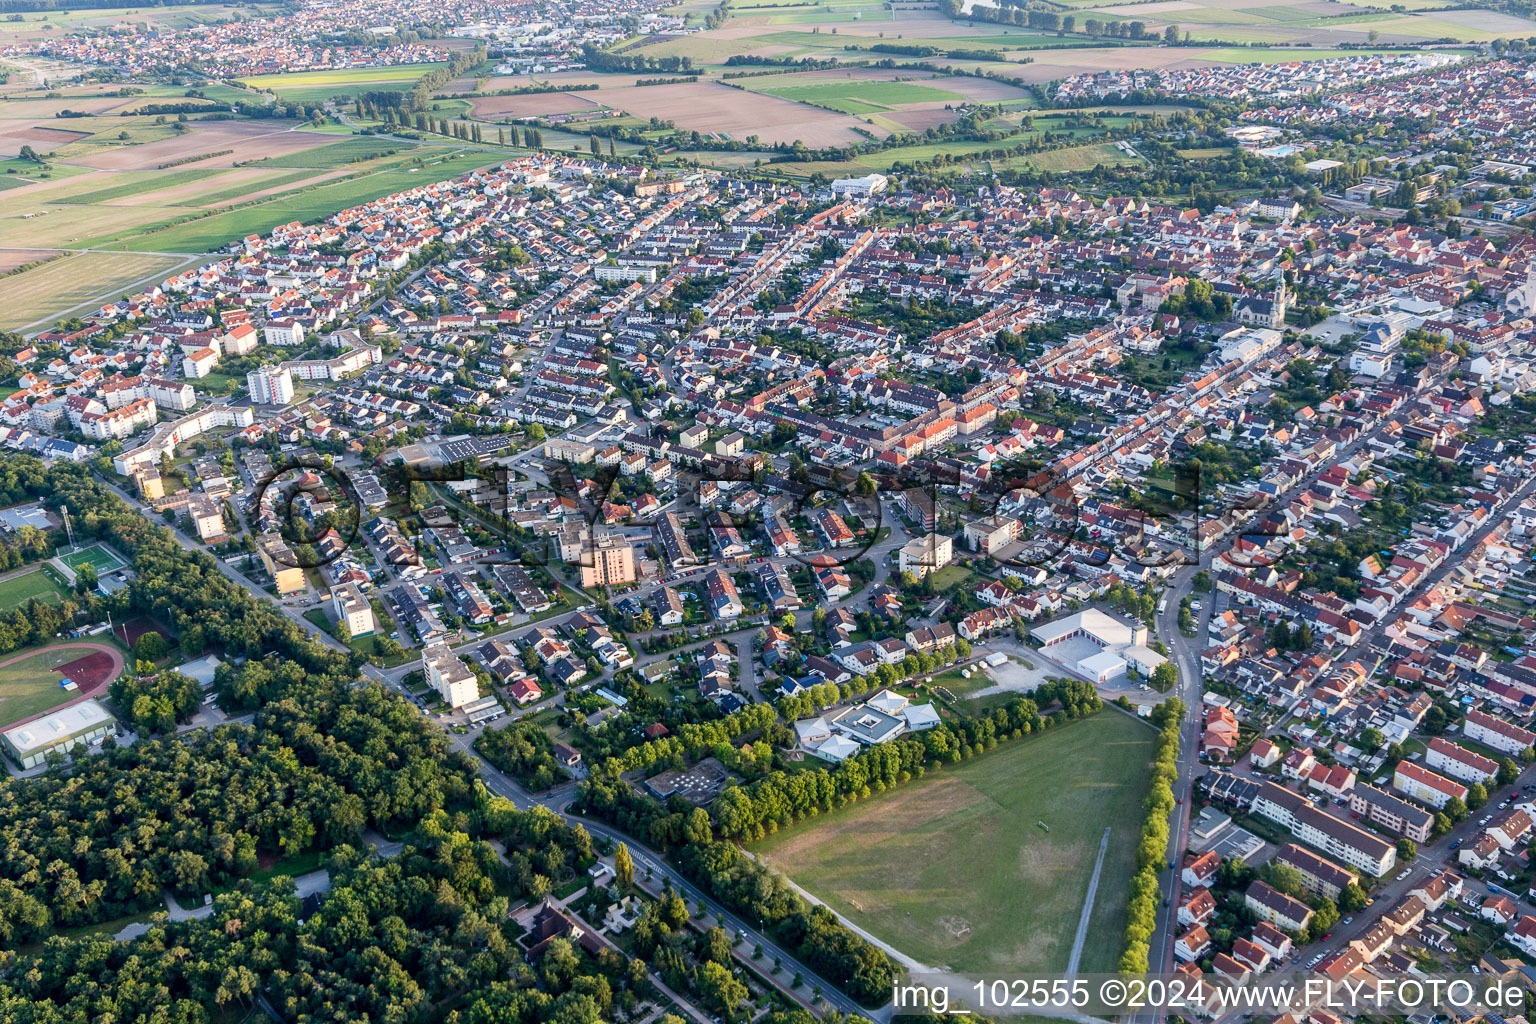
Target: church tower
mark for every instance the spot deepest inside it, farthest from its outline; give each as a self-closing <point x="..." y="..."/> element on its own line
<point x="1278" y="305"/>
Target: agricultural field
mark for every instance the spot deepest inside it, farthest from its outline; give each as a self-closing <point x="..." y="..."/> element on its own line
<point x="206" y="234"/>
<point x="958" y="870"/>
<point x="861" y="97"/>
<point x="111" y="178"/>
<point x="48" y="24"/>
<point x="318" y="86"/>
<point x="45" y="292"/>
<point x="735" y="113"/>
<point x="336" y="154"/>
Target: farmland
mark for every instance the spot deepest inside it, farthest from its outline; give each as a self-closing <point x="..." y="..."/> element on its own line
<point x="208" y="233"/>
<point x="318" y="86"/>
<point x="335" y="154"/>
<point x="43" y="292"/>
<point x="1011" y="901"/>
<point x="862" y="97"/>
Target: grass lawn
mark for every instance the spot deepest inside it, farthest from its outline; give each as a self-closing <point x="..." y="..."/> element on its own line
<point x="950" y="576"/>
<point x="54" y="287"/>
<point x="1206" y="152"/>
<point x="954" y="869"/>
<point x="30" y="686"/>
<point x="1080" y="158"/>
<point x="18" y="590"/>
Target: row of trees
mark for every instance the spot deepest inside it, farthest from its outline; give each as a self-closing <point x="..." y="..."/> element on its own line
<point x="599" y="59"/>
<point x="1141" y="919"/>
<point x="813" y="934"/>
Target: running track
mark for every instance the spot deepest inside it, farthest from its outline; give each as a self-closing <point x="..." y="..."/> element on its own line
<point x="84" y="648"/>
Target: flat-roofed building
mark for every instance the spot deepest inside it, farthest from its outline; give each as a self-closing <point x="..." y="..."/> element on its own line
<point x="207" y="517"/>
<point x="1100" y="627"/>
<point x="449" y="676"/>
<point x="613" y="562"/>
<point x="84" y="723"/>
<point x="279" y="560"/>
<point x="926" y="554"/>
<point x="353" y="608"/>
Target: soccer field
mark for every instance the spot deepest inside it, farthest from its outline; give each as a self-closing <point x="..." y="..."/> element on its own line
<point x="956" y="870"/>
<point x="18" y="590"/>
<point x="95" y="555"/>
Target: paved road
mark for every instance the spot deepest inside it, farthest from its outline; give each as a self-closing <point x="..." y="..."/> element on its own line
<point x="1185" y="653"/>
<point x="646" y="858"/>
<point x="234" y="575"/>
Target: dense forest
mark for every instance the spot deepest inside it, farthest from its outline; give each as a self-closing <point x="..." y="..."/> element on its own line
<point x="321" y="761"/>
<point x="393" y="939"/>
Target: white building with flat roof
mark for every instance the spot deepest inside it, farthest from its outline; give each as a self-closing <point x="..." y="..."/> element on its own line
<point x="860" y="187"/>
<point x="1096" y="645"/>
<point x="86" y="722"/>
<point x="1102" y="628"/>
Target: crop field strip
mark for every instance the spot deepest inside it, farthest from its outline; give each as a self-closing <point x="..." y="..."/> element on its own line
<point x="154" y="182"/>
<point x="207" y="234"/>
<point x="336" y="154"/>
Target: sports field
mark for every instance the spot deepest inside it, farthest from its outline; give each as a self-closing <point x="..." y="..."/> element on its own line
<point x="95" y="555"/>
<point x="29" y="681"/>
<point x="18" y="590"/>
<point x="957" y="871"/>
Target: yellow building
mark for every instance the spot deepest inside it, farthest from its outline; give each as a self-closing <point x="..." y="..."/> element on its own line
<point x="278" y="559"/>
<point x="613" y="562"/>
<point x="206" y="517"/>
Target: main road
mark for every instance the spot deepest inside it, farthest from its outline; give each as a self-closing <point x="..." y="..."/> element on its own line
<point x="558" y="800"/>
<point x="1186" y="655"/>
